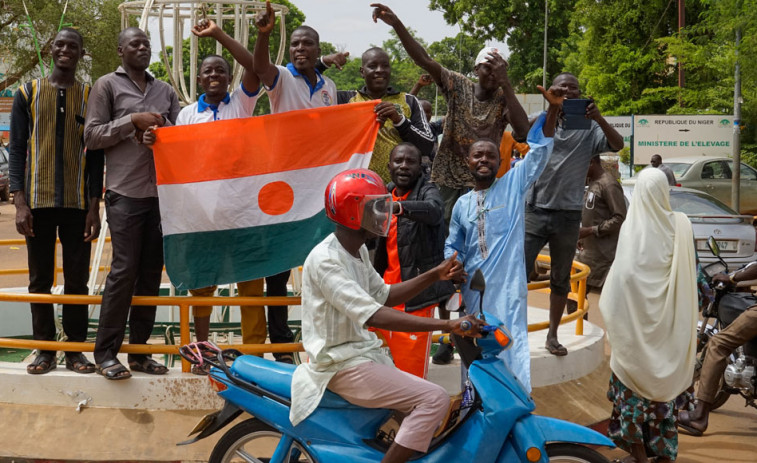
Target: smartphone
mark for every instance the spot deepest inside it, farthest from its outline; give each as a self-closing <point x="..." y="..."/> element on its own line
<point x="574" y="111"/>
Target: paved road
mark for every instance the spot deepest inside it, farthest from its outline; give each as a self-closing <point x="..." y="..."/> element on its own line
<point x="732" y="436"/>
<point x="732" y="432"/>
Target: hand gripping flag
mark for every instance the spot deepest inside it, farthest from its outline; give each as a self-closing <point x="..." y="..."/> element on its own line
<point x="241" y="199"/>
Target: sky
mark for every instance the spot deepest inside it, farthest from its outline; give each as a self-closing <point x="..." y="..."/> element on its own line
<point x="348" y="25"/>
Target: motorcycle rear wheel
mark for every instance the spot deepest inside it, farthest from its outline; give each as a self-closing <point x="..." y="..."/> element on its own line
<point x="253" y="440"/>
<point x="573" y="453"/>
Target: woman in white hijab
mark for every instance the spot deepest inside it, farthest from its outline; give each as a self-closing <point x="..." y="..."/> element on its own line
<point x="649" y="305"/>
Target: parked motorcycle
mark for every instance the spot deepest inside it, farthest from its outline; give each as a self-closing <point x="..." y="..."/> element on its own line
<point x="490" y="421"/>
<point x="740" y="376"/>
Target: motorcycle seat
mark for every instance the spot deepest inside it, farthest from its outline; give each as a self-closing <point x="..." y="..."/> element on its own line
<point x="276" y="377"/>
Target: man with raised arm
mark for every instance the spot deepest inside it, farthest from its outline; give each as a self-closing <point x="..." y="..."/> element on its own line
<point x="475" y="110"/>
<point x="555" y="202"/>
<point x="214" y="105"/>
<point x="298" y="85"/>
<point x="487" y="231"/>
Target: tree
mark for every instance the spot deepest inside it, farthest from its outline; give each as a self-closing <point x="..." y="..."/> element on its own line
<point x="99" y="22"/>
<point x="708" y="52"/>
<point x="521" y="24"/>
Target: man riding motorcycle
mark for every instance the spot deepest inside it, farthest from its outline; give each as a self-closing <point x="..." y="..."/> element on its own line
<point x="342" y="295"/>
<point x="719" y="348"/>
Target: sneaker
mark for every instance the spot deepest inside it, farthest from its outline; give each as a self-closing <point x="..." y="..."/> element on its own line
<point x="443" y="355"/>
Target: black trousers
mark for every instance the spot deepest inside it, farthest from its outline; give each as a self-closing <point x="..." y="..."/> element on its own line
<point x="68" y="225"/>
<point x="278" y="330"/>
<point x="136" y="269"/>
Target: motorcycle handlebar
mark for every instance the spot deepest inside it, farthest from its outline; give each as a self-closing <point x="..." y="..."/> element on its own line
<point x="465" y="325"/>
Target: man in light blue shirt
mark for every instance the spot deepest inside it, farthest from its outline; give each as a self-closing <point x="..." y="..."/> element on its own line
<point x="487" y="231"/>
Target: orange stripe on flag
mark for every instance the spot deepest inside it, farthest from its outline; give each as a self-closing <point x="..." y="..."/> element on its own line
<point x="237" y="148"/>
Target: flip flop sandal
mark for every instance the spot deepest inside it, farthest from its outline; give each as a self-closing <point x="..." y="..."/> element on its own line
<point x="113" y="370"/>
<point x="201" y="370"/>
<point x="556" y="349"/>
<point x="149" y="366"/>
<point x="45" y="360"/>
<point x="78" y="363"/>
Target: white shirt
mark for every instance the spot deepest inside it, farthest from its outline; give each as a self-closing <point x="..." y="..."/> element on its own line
<point x="291" y="91"/>
<point x="339" y="294"/>
<point x="239" y="104"/>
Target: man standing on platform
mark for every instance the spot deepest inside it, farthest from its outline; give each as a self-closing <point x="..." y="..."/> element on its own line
<point x="123" y="105"/>
<point x="487" y="231"/>
<point x="56" y="186"/>
<point x="555" y="201"/>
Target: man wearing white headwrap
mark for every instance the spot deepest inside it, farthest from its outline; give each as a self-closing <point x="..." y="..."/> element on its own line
<point x="475" y="110"/>
<point x="649" y="305"/>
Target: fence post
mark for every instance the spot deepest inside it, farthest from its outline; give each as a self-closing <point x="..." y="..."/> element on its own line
<point x="184" y="334"/>
<point x="581" y="304"/>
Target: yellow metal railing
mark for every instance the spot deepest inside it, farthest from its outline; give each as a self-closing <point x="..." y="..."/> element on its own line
<point x="578" y="293"/>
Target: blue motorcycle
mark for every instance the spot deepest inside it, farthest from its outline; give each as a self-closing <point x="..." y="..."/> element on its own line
<point x="490" y="421"/>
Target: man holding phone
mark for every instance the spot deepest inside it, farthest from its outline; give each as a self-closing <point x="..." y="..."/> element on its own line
<point x="554" y="204"/>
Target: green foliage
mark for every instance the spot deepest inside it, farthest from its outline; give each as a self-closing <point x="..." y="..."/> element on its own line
<point x="99" y="22"/>
<point x="521" y="23"/>
<point x="625" y="155"/>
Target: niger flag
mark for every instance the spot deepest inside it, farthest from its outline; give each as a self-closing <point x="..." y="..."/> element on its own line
<point x="244" y="198"/>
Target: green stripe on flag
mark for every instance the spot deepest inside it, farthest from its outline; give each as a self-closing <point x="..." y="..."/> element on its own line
<point x="197" y="260"/>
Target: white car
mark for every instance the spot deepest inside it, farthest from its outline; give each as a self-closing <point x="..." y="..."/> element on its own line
<point x="712" y="174"/>
<point x="735" y="234"/>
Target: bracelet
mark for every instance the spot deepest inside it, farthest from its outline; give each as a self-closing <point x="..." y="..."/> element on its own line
<point x="731" y="277"/>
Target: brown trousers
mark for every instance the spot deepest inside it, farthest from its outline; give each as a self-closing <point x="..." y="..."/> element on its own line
<point x="720" y="347"/>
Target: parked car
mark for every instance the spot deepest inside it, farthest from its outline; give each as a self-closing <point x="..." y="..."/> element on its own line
<point x="712" y="175"/>
<point x="4" y="176"/>
<point x="734" y="233"/>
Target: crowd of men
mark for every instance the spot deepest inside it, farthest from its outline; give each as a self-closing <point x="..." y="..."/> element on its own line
<point x="57" y="182"/>
<point x="473" y="210"/>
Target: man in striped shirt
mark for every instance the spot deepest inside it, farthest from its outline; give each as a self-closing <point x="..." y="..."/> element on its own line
<point x="56" y="187"/>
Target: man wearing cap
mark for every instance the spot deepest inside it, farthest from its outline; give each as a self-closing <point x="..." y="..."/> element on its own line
<point x="475" y="110"/>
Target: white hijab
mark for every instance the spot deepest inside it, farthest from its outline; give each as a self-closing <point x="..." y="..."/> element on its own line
<point x="649" y="301"/>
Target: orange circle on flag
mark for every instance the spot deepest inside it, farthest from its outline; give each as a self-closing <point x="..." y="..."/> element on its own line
<point x="276" y="198"/>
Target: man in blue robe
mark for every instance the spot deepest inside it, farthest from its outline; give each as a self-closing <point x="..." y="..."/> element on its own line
<point x="487" y="230"/>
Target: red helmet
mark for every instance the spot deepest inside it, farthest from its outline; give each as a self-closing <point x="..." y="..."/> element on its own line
<point x="357" y="198"/>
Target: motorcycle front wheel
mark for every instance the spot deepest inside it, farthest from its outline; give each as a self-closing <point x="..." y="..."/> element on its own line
<point x="573" y="453"/>
<point x="254" y="441"/>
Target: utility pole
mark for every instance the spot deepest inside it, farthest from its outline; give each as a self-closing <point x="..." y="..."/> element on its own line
<point x="544" y="65"/>
<point x="736" y="171"/>
<point x="681" y="23"/>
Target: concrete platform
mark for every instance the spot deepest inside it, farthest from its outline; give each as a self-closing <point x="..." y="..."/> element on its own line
<point x="177" y="391"/>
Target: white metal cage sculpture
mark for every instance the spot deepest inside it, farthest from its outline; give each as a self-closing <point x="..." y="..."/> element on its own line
<point x="185" y="14"/>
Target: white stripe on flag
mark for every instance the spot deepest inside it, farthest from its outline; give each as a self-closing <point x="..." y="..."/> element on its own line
<point x="228" y="204"/>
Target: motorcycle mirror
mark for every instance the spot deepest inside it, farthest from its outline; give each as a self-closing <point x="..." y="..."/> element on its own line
<point x="478" y="283"/>
<point x="713" y="245"/>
